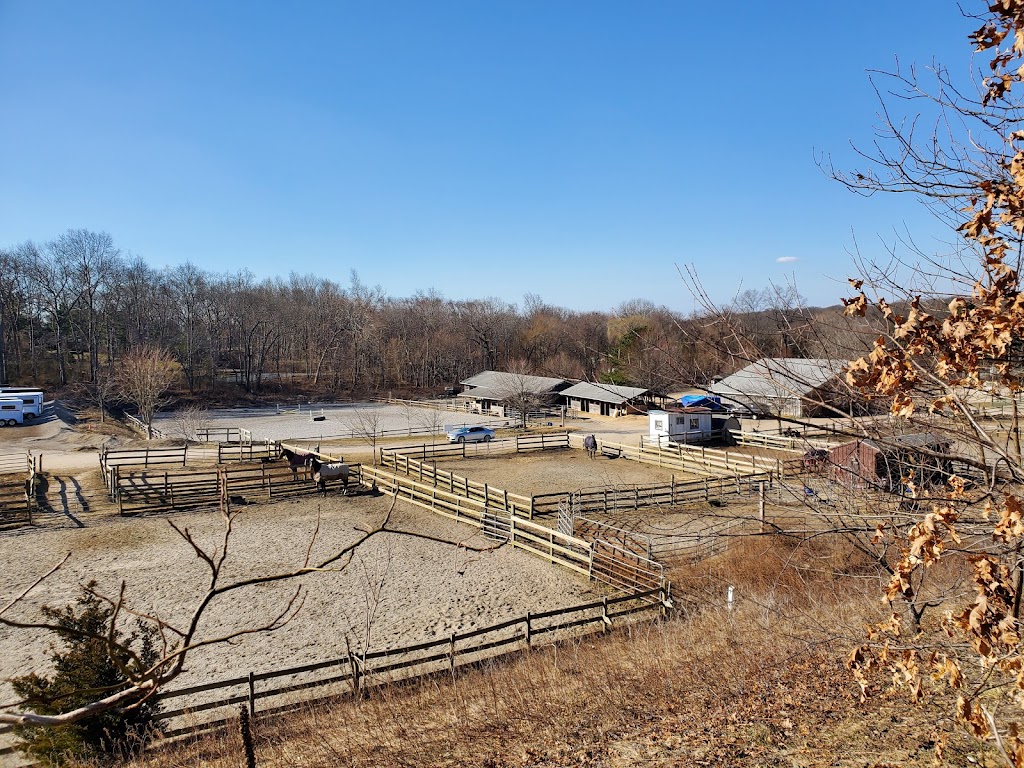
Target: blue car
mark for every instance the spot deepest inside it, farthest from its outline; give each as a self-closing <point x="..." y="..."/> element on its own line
<point x="470" y="435"/>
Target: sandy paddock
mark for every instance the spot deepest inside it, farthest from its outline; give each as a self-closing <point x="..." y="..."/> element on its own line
<point x="554" y="471"/>
<point x="340" y="420"/>
<point x="427" y="589"/>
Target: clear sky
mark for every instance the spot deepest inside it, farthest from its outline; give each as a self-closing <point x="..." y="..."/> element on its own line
<point x="577" y="150"/>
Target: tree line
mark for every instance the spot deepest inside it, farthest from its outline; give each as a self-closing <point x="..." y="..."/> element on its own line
<point x="72" y="307"/>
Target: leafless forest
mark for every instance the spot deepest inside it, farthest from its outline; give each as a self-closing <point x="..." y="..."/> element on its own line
<point x="72" y="306"/>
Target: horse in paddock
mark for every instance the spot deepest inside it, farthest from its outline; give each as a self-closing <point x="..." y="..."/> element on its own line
<point x="332" y="471"/>
<point x="296" y="461"/>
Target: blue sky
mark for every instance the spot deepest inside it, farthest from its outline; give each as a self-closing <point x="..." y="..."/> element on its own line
<point x="581" y="151"/>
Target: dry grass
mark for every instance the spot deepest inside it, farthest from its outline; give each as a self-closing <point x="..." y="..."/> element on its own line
<point x="762" y="684"/>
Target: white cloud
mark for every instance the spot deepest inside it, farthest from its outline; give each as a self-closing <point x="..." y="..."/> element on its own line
<point x="786" y="259"/>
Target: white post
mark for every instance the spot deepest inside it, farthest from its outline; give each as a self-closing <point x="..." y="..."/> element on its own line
<point x="728" y="599"/>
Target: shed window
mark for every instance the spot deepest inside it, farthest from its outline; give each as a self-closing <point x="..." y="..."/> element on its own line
<point x="694" y="423"/>
<point x="659" y="424"/>
<point x="680" y="419"/>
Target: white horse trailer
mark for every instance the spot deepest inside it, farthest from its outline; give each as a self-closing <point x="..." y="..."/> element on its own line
<point x="31" y="398"/>
<point x="12" y="412"/>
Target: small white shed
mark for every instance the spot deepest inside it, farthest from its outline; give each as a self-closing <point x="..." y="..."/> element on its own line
<point x="691" y="425"/>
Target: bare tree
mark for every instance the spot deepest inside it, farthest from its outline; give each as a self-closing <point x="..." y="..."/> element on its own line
<point x="191" y="420"/>
<point x="521" y="392"/>
<point x="144" y="375"/>
<point x="367" y="424"/>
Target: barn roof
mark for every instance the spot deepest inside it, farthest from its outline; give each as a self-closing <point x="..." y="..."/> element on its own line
<point x="603" y="393"/>
<point x="500" y="385"/>
<point x="780" y="377"/>
<point x="916" y="440"/>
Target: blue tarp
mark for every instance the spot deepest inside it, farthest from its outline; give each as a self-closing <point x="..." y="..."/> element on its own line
<point x="702" y="401"/>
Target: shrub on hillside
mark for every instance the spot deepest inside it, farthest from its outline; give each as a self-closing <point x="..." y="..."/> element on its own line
<point x="82" y="669"/>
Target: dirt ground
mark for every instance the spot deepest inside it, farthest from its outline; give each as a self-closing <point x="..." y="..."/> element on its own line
<point x="556" y="471"/>
<point x="399" y="589"/>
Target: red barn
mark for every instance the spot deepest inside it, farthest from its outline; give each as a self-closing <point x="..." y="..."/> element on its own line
<point x="882" y="463"/>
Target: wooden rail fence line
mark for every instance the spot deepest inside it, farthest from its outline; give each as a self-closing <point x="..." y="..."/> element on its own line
<point x="184" y="455"/>
<point x="458" y="484"/>
<point x="149" y="491"/>
<point x="515" y="444"/>
<point x="361" y="672"/>
<point x="696" y="460"/>
<point x="781" y="442"/>
<point x="611" y="498"/>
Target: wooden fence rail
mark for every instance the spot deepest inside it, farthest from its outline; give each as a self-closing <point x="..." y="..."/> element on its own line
<point x="440" y="478"/>
<point x="223" y="435"/>
<point x="696" y="460"/>
<point x="362" y="671"/>
<point x="515" y="444"/>
<point x="155" y="490"/>
<point x="618" y="497"/>
<point x="140" y="425"/>
<point x="18" y="478"/>
<point x="781" y="442"/>
<point x="185" y="455"/>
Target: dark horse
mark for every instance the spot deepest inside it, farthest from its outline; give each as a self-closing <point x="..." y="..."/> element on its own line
<point x="297" y="460"/>
<point x="332" y="471"/>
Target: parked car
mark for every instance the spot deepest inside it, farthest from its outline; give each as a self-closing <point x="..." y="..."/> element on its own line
<point x="470" y="435"/>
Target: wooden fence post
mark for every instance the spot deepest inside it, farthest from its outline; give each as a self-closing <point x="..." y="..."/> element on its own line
<point x="451" y="653"/>
<point x="760" y="504"/>
<point x="529" y="633"/>
<point x="252" y="695"/>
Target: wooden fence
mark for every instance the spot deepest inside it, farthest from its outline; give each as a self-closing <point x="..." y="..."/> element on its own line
<point x="781" y="442"/>
<point x="149" y="491"/>
<point x="565" y="550"/>
<point x="361" y="672"/>
<point x="139" y="425"/>
<point x="223" y="435"/>
<point x="617" y="497"/>
<point x="693" y="547"/>
<point x="457" y="484"/>
<point x="695" y="460"/>
<point x="516" y="444"/>
<point x="185" y="455"/>
<point x="18" y="473"/>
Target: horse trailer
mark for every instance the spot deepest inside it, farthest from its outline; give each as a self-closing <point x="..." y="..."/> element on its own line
<point x="31" y="398"/>
<point x="12" y="412"/>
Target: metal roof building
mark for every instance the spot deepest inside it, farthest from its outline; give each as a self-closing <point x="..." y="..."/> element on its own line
<point x="607" y="399"/>
<point x="487" y="390"/>
<point x="786" y="386"/>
